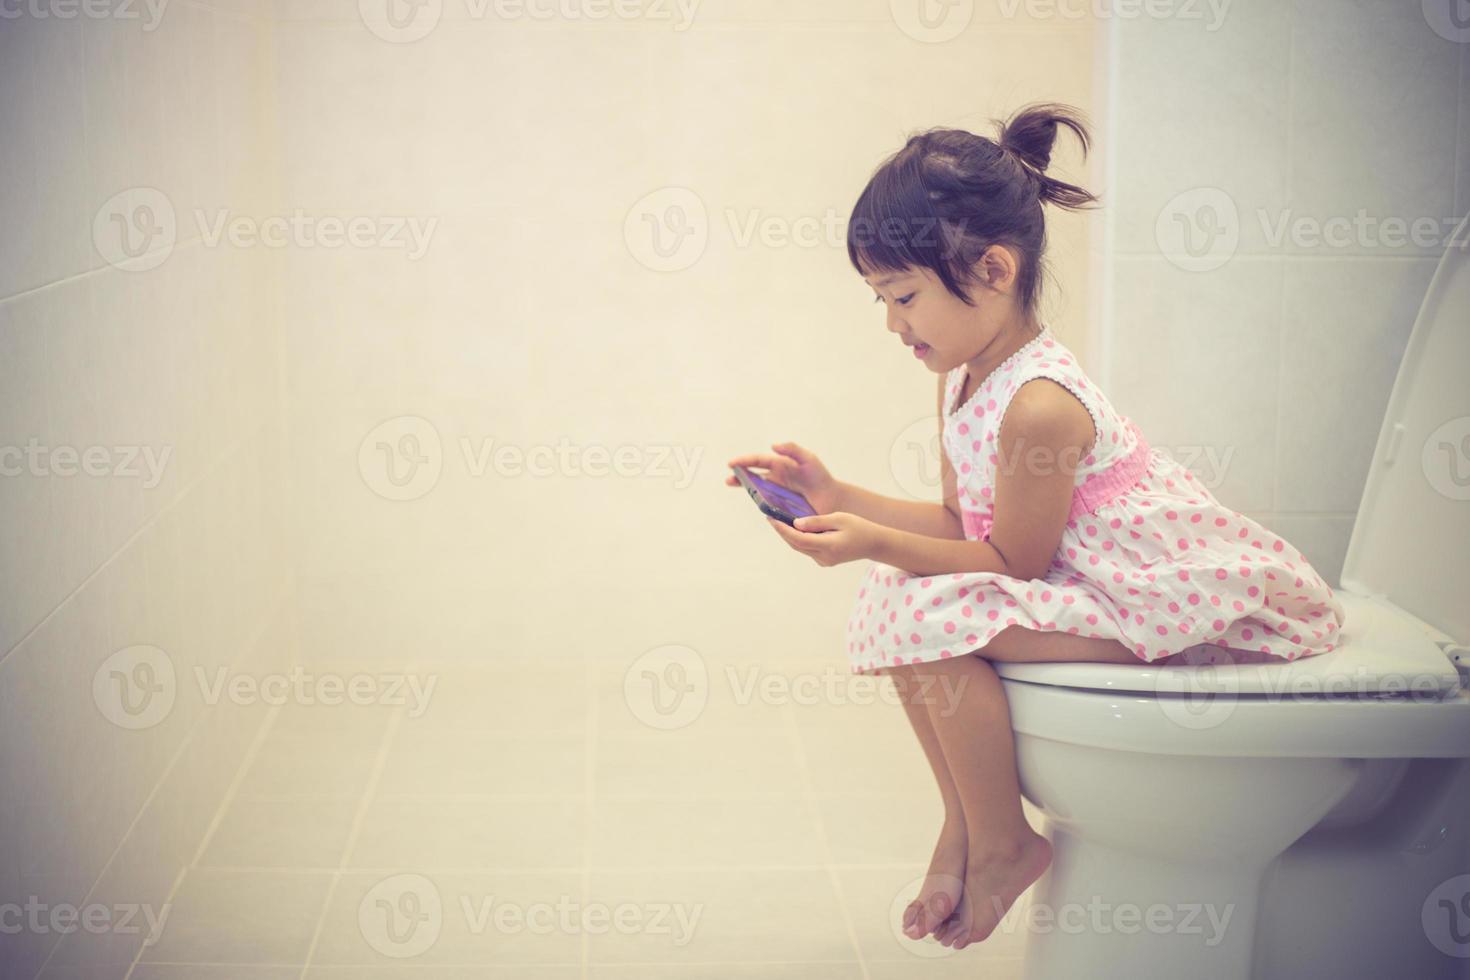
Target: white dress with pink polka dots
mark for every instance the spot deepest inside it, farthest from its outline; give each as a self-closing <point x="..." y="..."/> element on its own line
<point x="1148" y="556"/>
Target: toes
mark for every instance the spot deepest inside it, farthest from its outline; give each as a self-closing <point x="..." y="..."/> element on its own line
<point x="911" y="917"/>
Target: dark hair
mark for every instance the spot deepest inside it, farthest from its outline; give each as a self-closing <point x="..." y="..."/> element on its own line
<point x="949" y="194"/>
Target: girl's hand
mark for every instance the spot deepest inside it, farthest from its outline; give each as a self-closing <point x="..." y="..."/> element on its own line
<point x="797" y="469"/>
<point x="831" y="539"/>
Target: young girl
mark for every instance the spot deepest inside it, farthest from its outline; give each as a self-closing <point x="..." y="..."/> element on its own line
<point x="1062" y="535"/>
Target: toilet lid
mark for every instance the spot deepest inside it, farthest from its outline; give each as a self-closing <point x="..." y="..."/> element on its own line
<point x="1411" y="541"/>
<point x="1381" y="650"/>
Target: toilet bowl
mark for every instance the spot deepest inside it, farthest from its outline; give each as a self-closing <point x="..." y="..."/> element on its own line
<point x="1221" y="819"/>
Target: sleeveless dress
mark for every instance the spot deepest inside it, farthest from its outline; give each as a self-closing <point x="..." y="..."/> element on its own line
<point x="1148" y="556"/>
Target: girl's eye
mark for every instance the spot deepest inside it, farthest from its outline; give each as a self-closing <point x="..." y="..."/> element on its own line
<point x="904" y="301"/>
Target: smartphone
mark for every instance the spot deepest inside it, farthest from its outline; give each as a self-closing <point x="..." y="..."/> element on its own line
<point x="774" y="501"/>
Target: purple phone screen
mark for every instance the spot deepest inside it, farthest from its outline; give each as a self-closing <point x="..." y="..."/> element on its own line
<point x="779" y="497"/>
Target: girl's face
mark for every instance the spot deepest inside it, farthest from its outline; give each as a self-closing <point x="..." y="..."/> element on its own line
<point x="940" y="329"/>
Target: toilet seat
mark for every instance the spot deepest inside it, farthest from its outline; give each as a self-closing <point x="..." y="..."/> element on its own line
<point x="1397" y="727"/>
<point x="1387" y="692"/>
<point x="1382" y="650"/>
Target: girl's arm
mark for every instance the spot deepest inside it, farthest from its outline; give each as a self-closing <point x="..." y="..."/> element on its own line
<point x="908" y="516"/>
<point x="1043" y="435"/>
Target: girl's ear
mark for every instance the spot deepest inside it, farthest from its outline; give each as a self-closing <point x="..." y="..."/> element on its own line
<point x="998" y="268"/>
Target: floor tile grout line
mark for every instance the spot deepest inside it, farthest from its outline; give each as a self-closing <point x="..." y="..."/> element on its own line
<point x="358" y="818"/>
<point x="232" y="791"/>
<point x="793" y="730"/>
<point x="259" y="737"/>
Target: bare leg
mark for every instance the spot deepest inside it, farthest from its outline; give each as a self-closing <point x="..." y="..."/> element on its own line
<point x="971" y="721"/>
<point x="944" y="881"/>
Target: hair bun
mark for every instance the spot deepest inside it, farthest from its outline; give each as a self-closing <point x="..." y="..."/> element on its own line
<point x="1030" y="135"/>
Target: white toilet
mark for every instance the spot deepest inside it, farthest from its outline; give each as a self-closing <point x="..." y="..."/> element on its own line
<point x="1322" y="804"/>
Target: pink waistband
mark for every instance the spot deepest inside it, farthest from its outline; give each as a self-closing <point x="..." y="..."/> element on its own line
<point x="1099" y="488"/>
<point x="1092" y="493"/>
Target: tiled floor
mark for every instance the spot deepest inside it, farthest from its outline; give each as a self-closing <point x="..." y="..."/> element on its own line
<point x="579" y="822"/>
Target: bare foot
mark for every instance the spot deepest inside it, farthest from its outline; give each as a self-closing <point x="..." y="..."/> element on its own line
<point x="992" y="885"/>
<point x="940" y="895"/>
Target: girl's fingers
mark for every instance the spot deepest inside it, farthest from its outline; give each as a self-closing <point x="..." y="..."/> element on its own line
<point x="764" y="461"/>
<point x="791" y="449"/>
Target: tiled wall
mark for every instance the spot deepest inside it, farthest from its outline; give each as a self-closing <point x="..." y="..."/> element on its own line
<point x="538" y="317"/>
<point x="161" y="346"/>
<point x="1276" y="352"/>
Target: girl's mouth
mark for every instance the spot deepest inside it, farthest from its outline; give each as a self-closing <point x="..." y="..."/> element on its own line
<point x="920" y="350"/>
